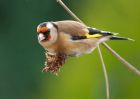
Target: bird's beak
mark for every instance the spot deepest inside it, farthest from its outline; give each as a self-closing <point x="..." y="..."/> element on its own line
<point x="41" y="37"/>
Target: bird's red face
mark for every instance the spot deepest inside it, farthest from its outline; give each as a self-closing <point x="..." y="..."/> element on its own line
<point x="43" y="33"/>
<point x="47" y="33"/>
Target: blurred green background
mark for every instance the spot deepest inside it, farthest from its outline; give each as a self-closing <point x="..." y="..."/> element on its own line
<point x="22" y="58"/>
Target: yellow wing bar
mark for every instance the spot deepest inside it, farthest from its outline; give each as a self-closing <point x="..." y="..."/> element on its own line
<point x="93" y="35"/>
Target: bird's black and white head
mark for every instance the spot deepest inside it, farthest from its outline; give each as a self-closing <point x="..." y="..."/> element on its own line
<point x="47" y="33"/>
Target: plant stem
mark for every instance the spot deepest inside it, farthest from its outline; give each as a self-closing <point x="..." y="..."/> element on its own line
<point x="105" y="72"/>
<point x="69" y="11"/>
<point x="122" y="60"/>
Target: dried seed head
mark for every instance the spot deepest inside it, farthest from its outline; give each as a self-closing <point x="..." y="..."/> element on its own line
<point x="54" y="62"/>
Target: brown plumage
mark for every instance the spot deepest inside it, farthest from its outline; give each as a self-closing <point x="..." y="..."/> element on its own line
<point x="71" y="27"/>
<point x="63" y="39"/>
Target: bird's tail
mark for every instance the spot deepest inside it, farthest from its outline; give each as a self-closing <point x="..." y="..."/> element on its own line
<point x="120" y="38"/>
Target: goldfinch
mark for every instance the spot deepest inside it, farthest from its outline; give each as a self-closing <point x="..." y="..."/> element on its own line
<point x="63" y="39"/>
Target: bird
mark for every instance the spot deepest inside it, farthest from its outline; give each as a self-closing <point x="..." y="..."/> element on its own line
<point x="68" y="38"/>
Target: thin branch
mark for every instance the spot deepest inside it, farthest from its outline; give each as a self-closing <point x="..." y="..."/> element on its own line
<point x="122" y="60"/>
<point x="69" y="11"/>
<point x="105" y="72"/>
<point x="102" y="60"/>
